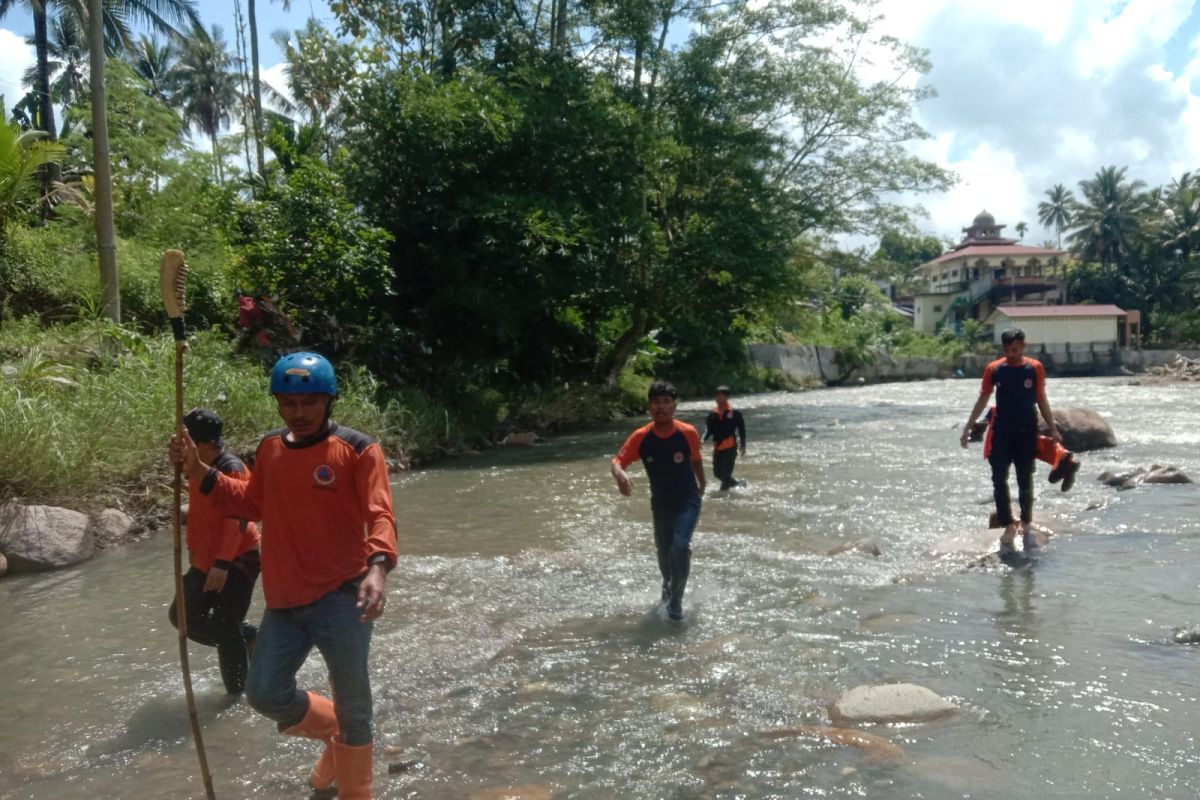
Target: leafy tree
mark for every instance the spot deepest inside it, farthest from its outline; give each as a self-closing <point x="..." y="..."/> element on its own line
<point x="1056" y="210"/>
<point x="145" y="142"/>
<point x="318" y="69"/>
<point x="309" y="244"/>
<point x="900" y="253"/>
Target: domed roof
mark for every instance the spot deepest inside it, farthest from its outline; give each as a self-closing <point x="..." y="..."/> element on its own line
<point x="985" y="220"/>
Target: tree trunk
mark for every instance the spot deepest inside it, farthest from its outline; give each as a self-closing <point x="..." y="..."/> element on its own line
<point x="560" y="24"/>
<point x="256" y="89"/>
<point x="50" y="172"/>
<point x="218" y="170"/>
<point x="106" y="240"/>
<point x="623" y="350"/>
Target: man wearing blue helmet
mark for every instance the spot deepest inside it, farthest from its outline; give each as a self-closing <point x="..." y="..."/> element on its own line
<point x="328" y="542"/>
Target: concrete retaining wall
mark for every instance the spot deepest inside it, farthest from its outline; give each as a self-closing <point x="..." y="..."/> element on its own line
<point x="818" y="363"/>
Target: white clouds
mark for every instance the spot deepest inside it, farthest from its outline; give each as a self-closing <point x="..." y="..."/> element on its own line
<point x="15" y="58"/>
<point x="1037" y="93"/>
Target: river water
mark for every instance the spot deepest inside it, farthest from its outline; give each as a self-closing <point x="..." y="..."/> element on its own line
<point x="523" y="654"/>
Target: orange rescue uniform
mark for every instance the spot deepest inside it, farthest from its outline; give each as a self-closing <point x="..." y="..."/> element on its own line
<point x="326" y="510"/>
<point x="212" y="535"/>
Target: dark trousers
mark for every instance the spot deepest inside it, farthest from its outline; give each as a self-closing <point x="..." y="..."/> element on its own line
<point x="216" y="619"/>
<point x="723" y="461"/>
<point x="674" y="525"/>
<point x="1018" y="448"/>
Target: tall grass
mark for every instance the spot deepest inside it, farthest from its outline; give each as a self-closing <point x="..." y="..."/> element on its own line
<point x="86" y="410"/>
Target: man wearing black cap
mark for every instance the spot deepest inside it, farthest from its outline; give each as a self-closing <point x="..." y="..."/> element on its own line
<point x="727" y="429"/>
<point x="223" y="552"/>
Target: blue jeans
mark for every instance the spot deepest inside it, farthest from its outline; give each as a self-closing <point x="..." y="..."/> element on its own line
<point x="674" y="524"/>
<point x="287" y="636"/>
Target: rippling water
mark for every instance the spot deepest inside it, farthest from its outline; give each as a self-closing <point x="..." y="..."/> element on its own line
<point x="523" y="650"/>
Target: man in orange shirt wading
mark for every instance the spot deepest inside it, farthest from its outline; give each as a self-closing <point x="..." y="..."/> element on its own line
<point x="223" y="552"/>
<point x="670" y="451"/>
<point x="328" y="542"/>
<point x="1020" y="387"/>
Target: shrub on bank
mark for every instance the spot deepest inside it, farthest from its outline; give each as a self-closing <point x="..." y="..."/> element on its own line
<point x="86" y="409"/>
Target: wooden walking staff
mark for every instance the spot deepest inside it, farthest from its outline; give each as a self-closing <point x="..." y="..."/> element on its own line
<point x="172" y="281"/>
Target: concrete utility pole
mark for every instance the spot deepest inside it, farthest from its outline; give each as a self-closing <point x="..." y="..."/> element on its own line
<point x="106" y="240"/>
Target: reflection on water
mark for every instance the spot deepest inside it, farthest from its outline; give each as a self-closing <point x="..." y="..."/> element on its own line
<point x="523" y="646"/>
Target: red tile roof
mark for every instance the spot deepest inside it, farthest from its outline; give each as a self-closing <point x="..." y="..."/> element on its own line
<point x="1016" y="250"/>
<point x="1018" y="312"/>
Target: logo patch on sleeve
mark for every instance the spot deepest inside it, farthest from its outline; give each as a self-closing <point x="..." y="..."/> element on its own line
<point x="324" y="476"/>
<point x="679" y="458"/>
<point x="1029" y="383"/>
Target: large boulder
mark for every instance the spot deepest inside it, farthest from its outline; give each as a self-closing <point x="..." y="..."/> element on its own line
<point x="44" y="537"/>
<point x="1082" y="429"/>
<point x="889" y="702"/>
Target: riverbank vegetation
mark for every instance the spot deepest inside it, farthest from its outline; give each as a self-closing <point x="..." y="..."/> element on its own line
<point x="487" y="217"/>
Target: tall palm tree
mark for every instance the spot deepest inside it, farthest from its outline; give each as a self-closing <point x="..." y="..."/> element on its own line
<point x="67" y="50"/>
<point x="206" y="88"/>
<point x="1179" y="229"/>
<point x="256" y="82"/>
<point x="1056" y="210"/>
<point x="1109" y="220"/>
<point x="1022" y="229"/>
<point x="155" y="64"/>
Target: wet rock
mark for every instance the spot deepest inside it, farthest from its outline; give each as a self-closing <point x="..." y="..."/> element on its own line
<point x="525" y="439"/>
<point x="864" y="546"/>
<point x="1131" y="478"/>
<point x="1082" y="429"/>
<point x="38" y="538"/>
<point x="890" y="702"/>
<point x="527" y="791"/>
<point x="111" y="527"/>
<point x="3" y="565"/>
<point x="1186" y="635"/>
<point x="885" y="621"/>
<point x="875" y="749"/>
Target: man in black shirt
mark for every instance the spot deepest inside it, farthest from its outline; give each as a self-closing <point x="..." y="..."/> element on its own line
<point x="727" y="429"/>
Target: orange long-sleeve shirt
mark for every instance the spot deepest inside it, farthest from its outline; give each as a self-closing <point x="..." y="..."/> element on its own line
<point x="326" y="510"/>
<point x="213" y="536"/>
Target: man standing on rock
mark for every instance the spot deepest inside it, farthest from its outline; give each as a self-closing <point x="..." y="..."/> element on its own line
<point x="223" y="552"/>
<point x="727" y="429"/>
<point x="329" y="540"/>
<point x="670" y="452"/>
<point x="1020" y="387"/>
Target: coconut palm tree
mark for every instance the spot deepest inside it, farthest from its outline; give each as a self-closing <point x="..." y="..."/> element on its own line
<point x="206" y="88"/>
<point x="161" y="15"/>
<point x="1179" y="227"/>
<point x="1022" y="229"/>
<point x="155" y="64"/>
<point x="1056" y="210"/>
<point x="67" y="50"/>
<point x="1107" y="222"/>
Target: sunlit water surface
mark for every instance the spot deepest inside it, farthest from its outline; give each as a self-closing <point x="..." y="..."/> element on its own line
<point x="523" y="647"/>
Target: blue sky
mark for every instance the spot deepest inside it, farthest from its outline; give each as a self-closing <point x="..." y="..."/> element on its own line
<point x="1030" y="92"/>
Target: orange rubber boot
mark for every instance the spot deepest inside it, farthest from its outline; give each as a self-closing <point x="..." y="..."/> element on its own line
<point x="354" y="770"/>
<point x="319" y="723"/>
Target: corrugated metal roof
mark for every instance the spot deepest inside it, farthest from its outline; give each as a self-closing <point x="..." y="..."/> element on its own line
<point x="1024" y="312"/>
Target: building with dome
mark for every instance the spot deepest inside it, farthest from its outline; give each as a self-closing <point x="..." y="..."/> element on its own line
<point x="984" y="271"/>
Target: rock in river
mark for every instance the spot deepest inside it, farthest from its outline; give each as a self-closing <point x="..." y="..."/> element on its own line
<point x="1155" y="473"/>
<point x="889" y="702"/>
<point x="1186" y="635"/>
<point x="864" y="546"/>
<point x="44" y="537"/>
<point x="1082" y="429"/>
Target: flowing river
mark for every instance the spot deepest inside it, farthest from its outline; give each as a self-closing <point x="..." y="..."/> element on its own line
<point x="522" y="654"/>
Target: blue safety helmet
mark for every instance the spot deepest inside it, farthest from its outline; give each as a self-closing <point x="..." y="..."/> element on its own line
<point x="303" y="373"/>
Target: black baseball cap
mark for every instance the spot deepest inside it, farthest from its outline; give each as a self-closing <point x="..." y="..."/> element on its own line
<point x="203" y="425"/>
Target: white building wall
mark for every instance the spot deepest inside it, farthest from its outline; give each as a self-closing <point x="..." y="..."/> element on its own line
<point x="930" y="309"/>
<point x="1060" y="330"/>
